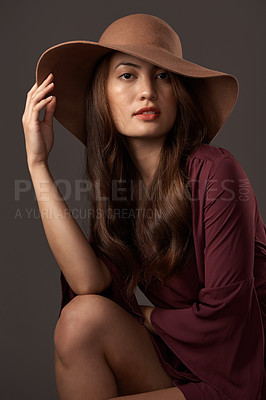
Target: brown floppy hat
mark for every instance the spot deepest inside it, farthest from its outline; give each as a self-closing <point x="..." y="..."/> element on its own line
<point x="148" y="38"/>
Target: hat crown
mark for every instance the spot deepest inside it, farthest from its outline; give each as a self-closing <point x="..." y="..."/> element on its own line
<point x="142" y="30"/>
<point x="148" y="38"/>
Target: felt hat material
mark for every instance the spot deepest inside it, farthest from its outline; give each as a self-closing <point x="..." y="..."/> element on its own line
<point x="144" y="36"/>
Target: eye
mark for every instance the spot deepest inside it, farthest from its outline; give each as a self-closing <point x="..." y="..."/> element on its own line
<point x="126" y="76"/>
<point x="164" y="75"/>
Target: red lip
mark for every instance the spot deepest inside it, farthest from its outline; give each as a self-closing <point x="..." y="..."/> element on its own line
<point x="141" y="110"/>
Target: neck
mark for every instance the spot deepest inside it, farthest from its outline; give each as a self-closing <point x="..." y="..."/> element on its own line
<point x="145" y="155"/>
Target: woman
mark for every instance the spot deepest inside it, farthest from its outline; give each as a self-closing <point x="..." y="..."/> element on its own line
<point x="169" y="213"/>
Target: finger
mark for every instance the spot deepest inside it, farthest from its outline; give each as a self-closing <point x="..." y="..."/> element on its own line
<point x="46" y="80"/>
<point x="49" y="111"/>
<point x="32" y="92"/>
<point x="43" y="85"/>
<point x="38" y="107"/>
<point x="33" y="88"/>
<point x="37" y="97"/>
<point x="36" y="89"/>
<point x="29" y="94"/>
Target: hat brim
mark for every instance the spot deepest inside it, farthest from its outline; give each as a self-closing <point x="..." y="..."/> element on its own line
<point x="72" y="64"/>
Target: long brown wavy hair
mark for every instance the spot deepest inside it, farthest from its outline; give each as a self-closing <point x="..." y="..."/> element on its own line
<point x="151" y="239"/>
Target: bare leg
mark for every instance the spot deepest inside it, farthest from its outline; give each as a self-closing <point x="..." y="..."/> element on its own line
<point x="102" y="351"/>
<point x="164" y="394"/>
<point x="81" y="370"/>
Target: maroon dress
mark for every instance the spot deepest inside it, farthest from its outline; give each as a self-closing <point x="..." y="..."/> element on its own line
<point x="211" y="322"/>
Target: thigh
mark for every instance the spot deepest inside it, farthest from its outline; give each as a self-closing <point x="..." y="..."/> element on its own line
<point x="125" y="342"/>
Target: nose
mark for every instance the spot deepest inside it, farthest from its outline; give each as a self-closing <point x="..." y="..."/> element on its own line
<point x="147" y="89"/>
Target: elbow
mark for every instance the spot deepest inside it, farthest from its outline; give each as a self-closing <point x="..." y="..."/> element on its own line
<point x="96" y="283"/>
<point x="85" y="290"/>
<point x="89" y="290"/>
<point x="94" y="288"/>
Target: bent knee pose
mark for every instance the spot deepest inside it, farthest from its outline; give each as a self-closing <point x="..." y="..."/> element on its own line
<point x="166" y="215"/>
<point x="102" y="351"/>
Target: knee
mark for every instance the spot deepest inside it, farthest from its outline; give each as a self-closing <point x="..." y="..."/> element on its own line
<point x="80" y="324"/>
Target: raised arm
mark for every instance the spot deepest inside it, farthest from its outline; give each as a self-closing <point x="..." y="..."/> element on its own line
<point x="83" y="270"/>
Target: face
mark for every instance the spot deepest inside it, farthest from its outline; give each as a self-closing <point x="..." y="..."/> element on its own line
<point x="133" y="84"/>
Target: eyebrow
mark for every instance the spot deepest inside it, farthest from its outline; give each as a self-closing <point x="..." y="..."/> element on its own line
<point x="134" y="65"/>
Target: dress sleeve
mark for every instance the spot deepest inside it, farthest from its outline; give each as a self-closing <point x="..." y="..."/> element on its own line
<point x="220" y="337"/>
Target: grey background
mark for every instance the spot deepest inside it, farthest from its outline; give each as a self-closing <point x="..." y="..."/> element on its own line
<point x="228" y="36"/>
